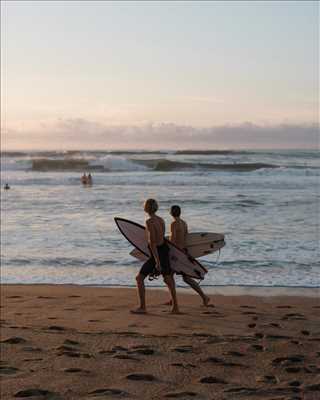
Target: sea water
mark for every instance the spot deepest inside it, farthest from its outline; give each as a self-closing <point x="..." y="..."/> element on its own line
<point x="56" y="230"/>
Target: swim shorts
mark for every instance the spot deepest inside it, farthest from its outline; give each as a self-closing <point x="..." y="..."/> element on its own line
<point x="149" y="267"/>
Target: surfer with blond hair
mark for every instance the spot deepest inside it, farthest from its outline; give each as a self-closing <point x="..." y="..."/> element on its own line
<point x="178" y="236"/>
<point x="159" y="262"/>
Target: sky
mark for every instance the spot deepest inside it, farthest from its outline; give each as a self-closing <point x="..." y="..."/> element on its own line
<point x="104" y="74"/>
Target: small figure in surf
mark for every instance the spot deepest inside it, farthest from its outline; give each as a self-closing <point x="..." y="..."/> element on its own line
<point x="6" y="186"/>
<point x="178" y="236"/>
<point x="159" y="262"/>
<point x="84" y="179"/>
<point x="89" y="179"/>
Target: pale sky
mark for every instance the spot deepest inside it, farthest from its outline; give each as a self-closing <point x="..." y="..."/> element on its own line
<point x="87" y="67"/>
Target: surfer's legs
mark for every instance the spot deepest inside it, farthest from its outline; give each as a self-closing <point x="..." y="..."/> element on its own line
<point x="196" y="287"/>
<point x="141" y="293"/>
<point x="169" y="280"/>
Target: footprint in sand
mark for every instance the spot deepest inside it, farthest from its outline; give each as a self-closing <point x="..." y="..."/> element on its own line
<point x="125" y="357"/>
<point x="293" y="370"/>
<point x="32" y="349"/>
<point x="6" y="370"/>
<point x="56" y="328"/>
<point x="257" y="347"/>
<point x="294" y="317"/>
<point x="183" y="365"/>
<point x="66" y="348"/>
<point x="14" y="340"/>
<point x="119" y="348"/>
<point x="247" y="306"/>
<point x="183" y="349"/>
<point x="284" y="307"/>
<point x="41" y="394"/>
<point x="143" y="350"/>
<point x="249" y="313"/>
<point x="71" y="342"/>
<point x="181" y="395"/>
<point x="220" y="361"/>
<point x="108" y="392"/>
<point x="275" y="325"/>
<point x="212" y="379"/>
<point x="234" y="354"/>
<point x="141" y="377"/>
<point x="268" y="379"/>
<point x="278" y="337"/>
<point x="297" y="358"/>
<point x="76" y="371"/>
<point x="294" y="383"/>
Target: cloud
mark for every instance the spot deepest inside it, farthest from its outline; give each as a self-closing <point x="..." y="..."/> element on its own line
<point x="80" y="133"/>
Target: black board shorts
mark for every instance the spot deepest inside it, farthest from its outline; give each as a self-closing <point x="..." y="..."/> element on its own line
<point x="149" y="267"/>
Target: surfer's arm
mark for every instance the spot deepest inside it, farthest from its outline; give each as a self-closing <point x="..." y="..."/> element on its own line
<point x="151" y="235"/>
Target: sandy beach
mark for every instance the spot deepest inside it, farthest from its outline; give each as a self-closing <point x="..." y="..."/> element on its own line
<point x="72" y="342"/>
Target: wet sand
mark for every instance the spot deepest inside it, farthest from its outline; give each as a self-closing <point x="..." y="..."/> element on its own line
<point x="70" y="342"/>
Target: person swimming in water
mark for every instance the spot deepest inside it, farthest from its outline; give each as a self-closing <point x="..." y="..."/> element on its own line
<point x="84" y="179"/>
<point x="178" y="236"/>
<point x="6" y="186"/>
<point x="159" y="262"/>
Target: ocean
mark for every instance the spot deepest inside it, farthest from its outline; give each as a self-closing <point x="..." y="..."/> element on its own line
<point x="56" y="230"/>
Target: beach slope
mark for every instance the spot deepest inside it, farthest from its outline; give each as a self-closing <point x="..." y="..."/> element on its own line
<point x="70" y="342"/>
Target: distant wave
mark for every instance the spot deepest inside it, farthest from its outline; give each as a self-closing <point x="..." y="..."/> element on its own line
<point x="168" y="165"/>
<point x="83" y="153"/>
<point x="193" y="160"/>
<point x="44" y="164"/>
<point x="156" y="165"/>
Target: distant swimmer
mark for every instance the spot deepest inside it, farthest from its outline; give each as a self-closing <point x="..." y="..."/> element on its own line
<point x="6" y="186"/>
<point x="84" y="179"/>
<point x="89" y="179"/>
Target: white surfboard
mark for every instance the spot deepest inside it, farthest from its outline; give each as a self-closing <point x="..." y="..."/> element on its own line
<point x="198" y="244"/>
<point x="180" y="262"/>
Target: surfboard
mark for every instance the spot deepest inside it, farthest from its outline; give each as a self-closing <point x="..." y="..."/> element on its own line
<point x="198" y="244"/>
<point x="180" y="262"/>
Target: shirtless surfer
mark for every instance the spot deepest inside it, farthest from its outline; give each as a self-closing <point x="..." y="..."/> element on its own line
<point x="178" y="236"/>
<point x="159" y="262"/>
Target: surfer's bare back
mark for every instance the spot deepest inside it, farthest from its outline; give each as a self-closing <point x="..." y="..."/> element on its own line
<point x="159" y="262"/>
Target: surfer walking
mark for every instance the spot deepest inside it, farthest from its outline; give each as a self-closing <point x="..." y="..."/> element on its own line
<point x="178" y="236"/>
<point x="159" y="262"/>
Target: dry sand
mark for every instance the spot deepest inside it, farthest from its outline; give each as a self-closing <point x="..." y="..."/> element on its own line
<point x="69" y="342"/>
